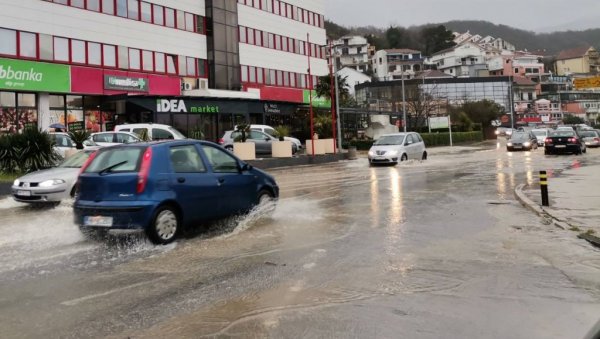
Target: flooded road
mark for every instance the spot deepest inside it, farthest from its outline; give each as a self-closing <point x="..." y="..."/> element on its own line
<point x="421" y="250"/>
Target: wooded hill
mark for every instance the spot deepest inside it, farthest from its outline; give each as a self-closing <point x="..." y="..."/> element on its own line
<point x="412" y="37"/>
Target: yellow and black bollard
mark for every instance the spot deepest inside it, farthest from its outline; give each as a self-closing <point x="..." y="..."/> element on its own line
<point x="544" y="188"/>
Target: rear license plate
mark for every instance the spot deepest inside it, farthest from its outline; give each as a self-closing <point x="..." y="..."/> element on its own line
<point x="561" y="146"/>
<point x="517" y="147"/>
<point x="24" y="193"/>
<point x="97" y="221"/>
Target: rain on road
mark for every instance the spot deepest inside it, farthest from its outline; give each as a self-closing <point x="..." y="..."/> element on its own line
<point x="421" y="250"/>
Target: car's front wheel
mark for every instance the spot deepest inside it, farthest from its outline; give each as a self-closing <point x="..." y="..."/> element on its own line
<point x="404" y="157"/>
<point x="424" y="157"/>
<point x="165" y="225"/>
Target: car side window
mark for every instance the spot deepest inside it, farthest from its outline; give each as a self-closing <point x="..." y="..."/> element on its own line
<point x="161" y="134"/>
<point x="409" y="139"/>
<point x="63" y="141"/>
<point x="419" y="137"/>
<point x="257" y="135"/>
<point x="140" y="131"/>
<point x="103" y="138"/>
<point x="220" y="161"/>
<point x="185" y="159"/>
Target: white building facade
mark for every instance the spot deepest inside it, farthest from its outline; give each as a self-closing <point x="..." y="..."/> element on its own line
<point x="392" y="64"/>
<point x="352" y="52"/>
<point x="466" y="60"/>
<point x="95" y="63"/>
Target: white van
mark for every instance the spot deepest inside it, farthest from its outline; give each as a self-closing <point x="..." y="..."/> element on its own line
<point x="155" y="131"/>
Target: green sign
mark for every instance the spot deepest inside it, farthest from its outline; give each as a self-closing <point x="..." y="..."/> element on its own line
<point x="118" y="83"/>
<point x="34" y="76"/>
<point x="76" y="126"/>
<point x="316" y="100"/>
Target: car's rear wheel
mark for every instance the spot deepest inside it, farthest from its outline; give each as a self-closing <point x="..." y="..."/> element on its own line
<point x="229" y="148"/>
<point x="404" y="157"/>
<point x="424" y="157"/>
<point x="165" y="225"/>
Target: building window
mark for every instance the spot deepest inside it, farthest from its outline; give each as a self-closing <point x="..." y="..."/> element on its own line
<point x="122" y="8"/>
<point x="109" y="55"/>
<point x="134" y="58"/>
<point x="180" y="20"/>
<point x="108" y="7"/>
<point x="146" y="11"/>
<point x="93" y="5"/>
<point x="78" y="3"/>
<point x="159" y="62"/>
<point x="8" y="42"/>
<point x="133" y="9"/>
<point x="78" y="54"/>
<point x="159" y="15"/>
<point x="170" y="17"/>
<point x="94" y="53"/>
<point x="28" y="45"/>
<point x="191" y="67"/>
<point x="189" y="22"/>
<point x="148" y="61"/>
<point x="61" y="49"/>
<point x="171" y="64"/>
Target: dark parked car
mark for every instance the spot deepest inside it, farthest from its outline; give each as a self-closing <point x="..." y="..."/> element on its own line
<point x="161" y="187"/>
<point x="564" y="141"/>
<point x="522" y="141"/>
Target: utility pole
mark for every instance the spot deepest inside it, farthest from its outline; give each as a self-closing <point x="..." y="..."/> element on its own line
<point x="403" y="103"/>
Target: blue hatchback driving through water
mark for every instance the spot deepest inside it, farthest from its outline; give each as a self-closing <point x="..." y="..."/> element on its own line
<point x="161" y="187"/>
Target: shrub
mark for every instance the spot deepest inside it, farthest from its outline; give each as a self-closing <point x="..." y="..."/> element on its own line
<point x="431" y="139"/>
<point x="31" y="151"/>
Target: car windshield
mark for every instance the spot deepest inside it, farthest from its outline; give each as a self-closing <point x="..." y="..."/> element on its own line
<point x="565" y="133"/>
<point x="519" y="136"/>
<point x="390" y="140"/>
<point x="76" y="160"/>
<point x="124" y="159"/>
<point x="540" y="133"/>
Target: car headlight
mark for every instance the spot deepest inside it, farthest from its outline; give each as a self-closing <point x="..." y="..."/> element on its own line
<point x="496" y="132"/>
<point x="527" y="144"/>
<point x="50" y="183"/>
<point x="392" y="153"/>
<point x="509" y="144"/>
<point x="371" y="153"/>
<point x="17" y="182"/>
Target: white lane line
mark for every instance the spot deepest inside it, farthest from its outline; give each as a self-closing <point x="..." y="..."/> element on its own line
<point x="74" y="302"/>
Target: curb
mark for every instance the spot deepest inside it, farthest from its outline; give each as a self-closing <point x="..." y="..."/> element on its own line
<point x="540" y="211"/>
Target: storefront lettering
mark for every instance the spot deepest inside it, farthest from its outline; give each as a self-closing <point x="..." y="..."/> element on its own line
<point x="125" y="83"/>
<point x="179" y="106"/>
<point x="10" y="74"/>
<point x="167" y="106"/>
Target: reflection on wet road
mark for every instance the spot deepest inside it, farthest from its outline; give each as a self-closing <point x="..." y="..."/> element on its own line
<point x="421" y="250"/>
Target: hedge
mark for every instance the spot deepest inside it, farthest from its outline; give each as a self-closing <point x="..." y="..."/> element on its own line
<point x="431" y="139"/>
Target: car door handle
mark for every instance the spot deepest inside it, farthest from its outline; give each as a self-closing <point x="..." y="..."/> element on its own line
<point x="181" y="180"/>
<point x="221" y="180"/>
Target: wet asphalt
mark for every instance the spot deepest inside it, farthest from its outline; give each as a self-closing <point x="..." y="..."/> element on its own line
<point x="430" y="249"/>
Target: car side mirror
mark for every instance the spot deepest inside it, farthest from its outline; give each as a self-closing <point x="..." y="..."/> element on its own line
<point x="245" y="167"/>
<point x="267" y="139"/>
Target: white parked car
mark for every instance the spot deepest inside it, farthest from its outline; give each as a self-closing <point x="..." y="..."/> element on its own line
<point x="64" y="145"/>
<point x="271" y="131"/>
<point x="114" y="138"/>
<point x="395" y="147"/>
<point x="541" y="134"/>
<point x="154" y="131"/>
<point x="51" y="185"/>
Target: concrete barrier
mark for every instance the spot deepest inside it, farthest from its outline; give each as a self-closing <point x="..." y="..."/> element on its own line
<point x="319" y="147"/>
<point x="281" y="149"/>
<point x="244" y="150"/>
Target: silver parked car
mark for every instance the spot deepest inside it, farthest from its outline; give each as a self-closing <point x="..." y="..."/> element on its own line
<point x="114" y="138"/>
<point x="51" y="185"/>
<point x="261" y="140"/>
<point x="591" y="137"/>
<point x="395" y="147"/>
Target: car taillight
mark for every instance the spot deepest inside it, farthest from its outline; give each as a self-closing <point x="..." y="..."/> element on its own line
<point x="573" y="140"/>
<point x="144" y="170"/>
<point x="221" y="141"/>
<point x="548" y="141"/>
<point x="88" y="162"/>
<point x="597" y="139"/>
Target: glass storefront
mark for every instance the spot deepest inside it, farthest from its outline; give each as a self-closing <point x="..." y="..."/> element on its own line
<point x="17" y="111"/>
<point x="76" y="111"/>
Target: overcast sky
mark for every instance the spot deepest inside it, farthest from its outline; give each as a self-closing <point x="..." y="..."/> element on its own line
<point x="534" y="15"/>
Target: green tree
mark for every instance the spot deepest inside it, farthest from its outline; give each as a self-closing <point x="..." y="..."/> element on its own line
<point x="572" y="120"/>
<point x="436" y="38"/>
<point x="396" y="37"/>
<point x="482" y="112"/>
<point x="323" y="89"/>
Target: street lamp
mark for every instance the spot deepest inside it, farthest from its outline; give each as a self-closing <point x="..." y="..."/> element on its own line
<point x="403" y="102"/>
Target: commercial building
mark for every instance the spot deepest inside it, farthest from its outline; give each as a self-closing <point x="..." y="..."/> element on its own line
<point x="195" y="64"/>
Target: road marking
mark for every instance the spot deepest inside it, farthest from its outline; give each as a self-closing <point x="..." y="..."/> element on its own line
<point x="74" y="302"/>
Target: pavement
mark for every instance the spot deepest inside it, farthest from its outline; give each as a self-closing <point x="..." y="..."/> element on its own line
<point x="573" y="198"/>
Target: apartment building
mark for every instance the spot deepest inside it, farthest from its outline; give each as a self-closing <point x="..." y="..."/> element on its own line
<point x="391" y="64"/>
<point x="194" y="64"/>
<point x="578" y="60"/>
<point x="353" y="52"/>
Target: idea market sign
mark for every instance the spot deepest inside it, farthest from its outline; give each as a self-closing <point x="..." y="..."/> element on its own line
<point x="34" y="76"/>
<point x="180" y="106"/>
<point x="129" y="84"/>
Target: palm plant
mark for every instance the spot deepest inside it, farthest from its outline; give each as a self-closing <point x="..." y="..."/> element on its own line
<point x="282" y="132"/>
<point x="243" y="129"/>
<point x="79" y="137"/>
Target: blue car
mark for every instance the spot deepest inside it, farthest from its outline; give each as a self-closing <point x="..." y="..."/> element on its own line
<point x="161" y="187"/>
